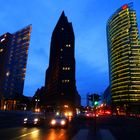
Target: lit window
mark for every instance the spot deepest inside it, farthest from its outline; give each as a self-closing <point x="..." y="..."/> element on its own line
<point x="68" y="45"/>
<point x="7" y="73"/>
<point x="66" y="68"/>
<point x="1" y="50"/>
<point x="25" y="38"/>
<point x="2" y="39"/>
<point x="65" y="81"/>
<point x="61" y="50"/>
<point x="62" y="28"/>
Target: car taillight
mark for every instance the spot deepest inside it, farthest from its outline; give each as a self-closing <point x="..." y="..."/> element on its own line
<point x="87" y="115"/>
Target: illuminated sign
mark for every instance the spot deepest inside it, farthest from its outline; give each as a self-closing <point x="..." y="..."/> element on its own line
<point x="124" y="7"/>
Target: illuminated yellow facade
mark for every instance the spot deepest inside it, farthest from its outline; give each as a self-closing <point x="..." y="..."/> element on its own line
<point x="124" y="56"/>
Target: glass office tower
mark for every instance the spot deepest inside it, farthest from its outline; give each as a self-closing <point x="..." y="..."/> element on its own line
<point x="13" y="59"/>
<point x="124" y="57"/>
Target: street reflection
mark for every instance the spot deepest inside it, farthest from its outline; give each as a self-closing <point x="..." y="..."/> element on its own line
<point x="56" y="134"/>
<point x="30" y="134"/>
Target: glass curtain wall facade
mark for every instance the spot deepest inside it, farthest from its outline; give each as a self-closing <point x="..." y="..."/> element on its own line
<point x="14" y="62"/>
<point x="124" y="57"/>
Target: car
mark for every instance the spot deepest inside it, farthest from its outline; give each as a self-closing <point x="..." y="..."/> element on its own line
<point x="34" y="120"/>
<point x="59" y="122"/>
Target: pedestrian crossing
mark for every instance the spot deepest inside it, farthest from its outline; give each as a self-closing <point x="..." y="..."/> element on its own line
<point x="83" y="134"/>
<point x="106" y="134"/>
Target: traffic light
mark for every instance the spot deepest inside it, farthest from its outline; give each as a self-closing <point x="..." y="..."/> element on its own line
<point x="96" y="98"/>
<point x="95" y="103"/>
<point x="90" y="97"/>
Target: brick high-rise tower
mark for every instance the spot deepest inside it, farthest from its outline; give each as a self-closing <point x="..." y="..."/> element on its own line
<point x="60" y="84"/>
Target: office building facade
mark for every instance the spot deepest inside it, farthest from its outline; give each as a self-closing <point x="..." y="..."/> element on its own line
<point x="124" y="58"/>
<point x="13" y="59"/>
<point x="60" y="83"/>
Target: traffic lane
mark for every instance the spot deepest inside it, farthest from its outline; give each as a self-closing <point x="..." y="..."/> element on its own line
<point x="16" y="132"/>
<point x="33" y="133"/>
<point x="42" y="133"/>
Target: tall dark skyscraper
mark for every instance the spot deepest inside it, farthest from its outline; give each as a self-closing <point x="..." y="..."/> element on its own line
<point x="124" y="58"/>
<point x="60" y="84"/>
<point x="13" y="59"/>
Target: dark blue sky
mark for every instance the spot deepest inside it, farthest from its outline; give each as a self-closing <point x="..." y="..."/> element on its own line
<point x="89" y="18"/>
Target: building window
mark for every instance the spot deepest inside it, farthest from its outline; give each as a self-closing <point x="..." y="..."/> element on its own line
<point x="7" y="73"/>
<point x="66" y="81"/>
<point x="62" y="28"/>
<point x="2" y="39"/>
<point x="68" y="45"/>
<point x="1" y="50"/>
<point x="61" y="50"/>
<point x="66" y="68"/>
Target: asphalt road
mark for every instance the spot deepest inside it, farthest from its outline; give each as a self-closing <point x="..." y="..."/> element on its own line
<point x="107" y="128"/>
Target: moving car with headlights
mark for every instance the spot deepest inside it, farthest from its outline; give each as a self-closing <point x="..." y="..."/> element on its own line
<point x="59" y="121"/>
<point x="34" y="120"/>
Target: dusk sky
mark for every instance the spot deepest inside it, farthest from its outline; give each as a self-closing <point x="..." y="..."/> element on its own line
<point x="89" y="18"/>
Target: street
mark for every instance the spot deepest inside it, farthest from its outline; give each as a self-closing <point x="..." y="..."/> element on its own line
<point x="107" y="128"/>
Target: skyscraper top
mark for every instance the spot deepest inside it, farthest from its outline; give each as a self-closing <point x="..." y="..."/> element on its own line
<point x="63" y="25"/>
<point x="125" y="6"/>
<point x="62" y="20"/>
<point x="27" y="27"/>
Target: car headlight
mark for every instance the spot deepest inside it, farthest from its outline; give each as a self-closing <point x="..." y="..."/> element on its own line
<point x="63" y="122"/>
<point x="66" y="114"/>
<point x="53" y="122"/>
<point x="36" y="119"/>
<point x="25" y="119"/>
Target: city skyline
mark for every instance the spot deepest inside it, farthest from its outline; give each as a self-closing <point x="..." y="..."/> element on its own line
<point x="89" y="23"/>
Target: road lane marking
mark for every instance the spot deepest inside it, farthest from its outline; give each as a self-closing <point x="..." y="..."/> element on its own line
<point x="81" y="135"/>
<point x="106" y="134"/>
<point x="24" y="135"/>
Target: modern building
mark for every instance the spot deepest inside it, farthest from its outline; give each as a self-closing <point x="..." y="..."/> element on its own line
<point x="106" y="97"/>
<point x="13" y="59"/>
<point x="124" y="58"/>
<point x="60" y="83"/>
